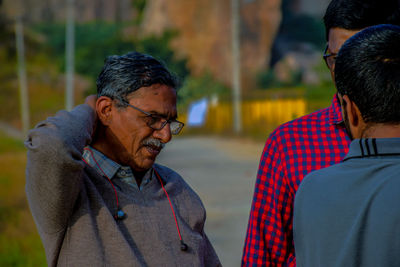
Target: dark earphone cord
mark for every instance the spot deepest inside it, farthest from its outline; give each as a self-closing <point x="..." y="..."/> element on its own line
<point x="184" y="247"/>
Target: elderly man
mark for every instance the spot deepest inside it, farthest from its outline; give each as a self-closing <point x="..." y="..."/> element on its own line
<point x="348" y="214"/>
<point x="306" y="144"/>
<point x="93" y="187"/>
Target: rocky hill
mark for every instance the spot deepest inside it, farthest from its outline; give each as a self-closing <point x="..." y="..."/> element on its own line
<point x="205" y="33"/>
<point x="203" y="26"/>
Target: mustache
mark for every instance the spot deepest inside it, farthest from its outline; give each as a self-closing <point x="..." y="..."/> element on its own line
<point x="153" y="142"/>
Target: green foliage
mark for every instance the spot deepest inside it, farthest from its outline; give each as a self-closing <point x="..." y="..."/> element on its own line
<point x="320" y="96"/>
<point x="8" y="144"/>
<point x="20" y="244"/>
<point x="95" y="41"/>
<point x="317" y="96"/>
<point x="304" y="28"/>
<point x="139" y="6"/>
<point x="267" y="79"/>
<point x="36" y="62"/>
<point x="195" y="88"/>
<point x="7" y="37"/>
<point x="301" y="27"/>
<point x="158" y="46"/>
<point x="12" y="252"/>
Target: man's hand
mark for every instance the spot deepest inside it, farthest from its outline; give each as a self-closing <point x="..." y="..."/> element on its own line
<point x="91" y="101"/>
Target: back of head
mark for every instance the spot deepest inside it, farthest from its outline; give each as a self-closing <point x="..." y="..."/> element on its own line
<point x="359" y="14"/>
<point x="122" y="75"/>
<point x="368" y="71"/>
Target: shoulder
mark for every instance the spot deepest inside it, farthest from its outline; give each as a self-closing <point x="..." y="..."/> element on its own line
<point x="388" y="182"/>
<point x="170" y="176"/>
<point x="176" y="185"/>
<point x="298" y="129"/>
<point x="317" y="181"/>
<point x="318" y="118"/>
<point x="167" y="173"/>
<point x="79" y="119"/>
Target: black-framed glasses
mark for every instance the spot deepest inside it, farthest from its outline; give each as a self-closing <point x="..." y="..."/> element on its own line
<point x="157" y="122"/>
<point x="330" y="59"/>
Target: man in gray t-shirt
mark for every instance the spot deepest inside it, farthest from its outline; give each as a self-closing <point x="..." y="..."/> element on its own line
<point x="347" y="214"/>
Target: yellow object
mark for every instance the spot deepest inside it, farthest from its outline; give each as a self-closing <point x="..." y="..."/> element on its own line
<point x="256" y="114"/>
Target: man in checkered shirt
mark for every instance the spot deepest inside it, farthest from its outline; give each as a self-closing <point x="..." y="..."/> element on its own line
<point x="312" y="142"/>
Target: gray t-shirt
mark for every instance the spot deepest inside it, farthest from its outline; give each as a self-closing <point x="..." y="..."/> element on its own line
<point x="348" y="215"/>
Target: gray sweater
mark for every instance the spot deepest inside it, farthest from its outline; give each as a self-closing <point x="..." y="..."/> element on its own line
<point x="73" y="206"/>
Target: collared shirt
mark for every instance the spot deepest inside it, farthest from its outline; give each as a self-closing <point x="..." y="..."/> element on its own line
<point x="293" y="150"/>
<point x="347" y="214"/>
<point x="105" y="166"/>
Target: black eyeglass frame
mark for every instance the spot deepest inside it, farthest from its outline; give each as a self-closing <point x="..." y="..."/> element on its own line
<point x="174" y="130"/>
<point x="327" y="56"/>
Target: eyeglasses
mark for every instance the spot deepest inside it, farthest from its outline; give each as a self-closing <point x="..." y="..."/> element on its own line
<point x="330" y="59"/>
<point x="157" y="122"/>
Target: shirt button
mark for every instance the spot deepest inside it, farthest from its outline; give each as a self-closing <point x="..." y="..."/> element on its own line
<point x="123" y="173"/>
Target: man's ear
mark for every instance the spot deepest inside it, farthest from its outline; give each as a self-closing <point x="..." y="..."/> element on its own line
<point x="353" y="112"/>
<point x="354" y="115"/>
<point x="104" y="108"/>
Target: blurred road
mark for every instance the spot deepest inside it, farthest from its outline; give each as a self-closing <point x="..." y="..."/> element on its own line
<point x="222" y="172"/>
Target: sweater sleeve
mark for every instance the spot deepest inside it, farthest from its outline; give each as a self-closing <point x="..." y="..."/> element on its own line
<point x="211" y="258"/>
<point x="54" y="166"/>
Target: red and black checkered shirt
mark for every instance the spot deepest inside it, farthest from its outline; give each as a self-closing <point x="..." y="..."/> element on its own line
<point x="294" y="149"/>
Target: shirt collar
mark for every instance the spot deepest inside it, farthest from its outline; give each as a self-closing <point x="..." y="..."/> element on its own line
<point x="105" y="166"/>
<point x="369" y="147"/>
<point x="335" y="111"/>
<point x="100" y="162"/>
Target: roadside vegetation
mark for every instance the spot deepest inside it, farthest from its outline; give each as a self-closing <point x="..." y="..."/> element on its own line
<point x="20" y="244"/>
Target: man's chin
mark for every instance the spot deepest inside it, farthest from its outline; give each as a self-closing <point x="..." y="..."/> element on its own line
<point x="146" y="164"/>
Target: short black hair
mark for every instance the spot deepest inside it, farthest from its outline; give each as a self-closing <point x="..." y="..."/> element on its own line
<point x="368" y="71"/>
<point x="359" y="14"/>
<point x="122" y="75"/>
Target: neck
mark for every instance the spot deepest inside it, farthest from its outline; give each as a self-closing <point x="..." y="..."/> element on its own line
<point x="382" y="131"/>
<point x="101" y="144"/>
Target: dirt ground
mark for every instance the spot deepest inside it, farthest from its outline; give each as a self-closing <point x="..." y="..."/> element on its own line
<point x="223" y="173"/>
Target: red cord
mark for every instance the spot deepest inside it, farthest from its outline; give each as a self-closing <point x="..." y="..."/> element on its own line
<point x="173" y="212"/>
<point x="115" y="191"/>
<point x="116" y="195"/>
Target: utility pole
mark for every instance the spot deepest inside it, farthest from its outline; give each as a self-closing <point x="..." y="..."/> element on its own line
<point x="23" y="87"/>
<point x="70" y="55"/>
<point x="237" y="111"/>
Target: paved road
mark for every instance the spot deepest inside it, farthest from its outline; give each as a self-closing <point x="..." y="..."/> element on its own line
<point x="222" y="172"/>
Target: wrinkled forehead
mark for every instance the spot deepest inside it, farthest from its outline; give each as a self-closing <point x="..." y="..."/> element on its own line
<point x="154" y="90"/>
<point x="160" y="99"/>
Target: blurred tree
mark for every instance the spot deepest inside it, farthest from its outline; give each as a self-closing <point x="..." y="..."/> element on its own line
<point x="8" y="93"/>
<point x="195" y="88"/>
<point x="139" y="6"/>
<point x="96" y="41"/>
<point x="7" y="40"/>
<point x="296" y="28"/>
<point x="266" y="79"/>
<point x="304" y="28"/>
<point x="159" y="47"/>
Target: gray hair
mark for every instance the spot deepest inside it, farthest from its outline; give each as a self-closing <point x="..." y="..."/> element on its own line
<point x="122" y="75"/>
